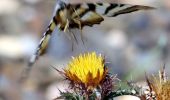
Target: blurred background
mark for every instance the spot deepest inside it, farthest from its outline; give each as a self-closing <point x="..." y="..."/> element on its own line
<point x="132" y="44"/>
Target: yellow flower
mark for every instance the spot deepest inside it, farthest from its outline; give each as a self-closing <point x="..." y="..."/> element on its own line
<point x="87" y="70"/>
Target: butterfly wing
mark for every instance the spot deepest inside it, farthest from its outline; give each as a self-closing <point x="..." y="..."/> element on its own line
<point x="91" y="13"/>
<point x="43" y="44"/>
<point x="113" y="10"/>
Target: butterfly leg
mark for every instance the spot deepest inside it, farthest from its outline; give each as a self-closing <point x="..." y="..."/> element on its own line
<point x="66" y="26"/>
<point x="78" y="22"/>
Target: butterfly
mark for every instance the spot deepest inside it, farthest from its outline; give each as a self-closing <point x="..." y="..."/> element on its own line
<point x="69" y="16"/>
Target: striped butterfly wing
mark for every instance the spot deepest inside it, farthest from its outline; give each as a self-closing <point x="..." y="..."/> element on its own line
<point x="113" y="10"/>
<point x="69" y="16"/>
<point x="92" y="13"/>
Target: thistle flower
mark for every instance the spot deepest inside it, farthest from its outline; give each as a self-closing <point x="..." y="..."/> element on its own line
<point x="86" y="71"/>
<point x="159" y="87"/>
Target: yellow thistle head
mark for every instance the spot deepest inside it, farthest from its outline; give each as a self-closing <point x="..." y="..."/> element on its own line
<point x="86" y="70"/>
